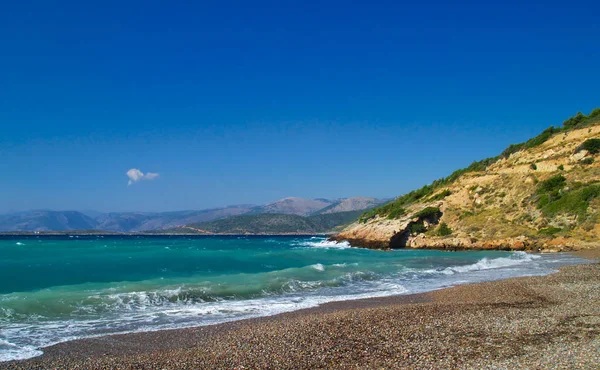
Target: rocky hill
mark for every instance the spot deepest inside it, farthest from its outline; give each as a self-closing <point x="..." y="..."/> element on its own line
<point x="541" y="194"/>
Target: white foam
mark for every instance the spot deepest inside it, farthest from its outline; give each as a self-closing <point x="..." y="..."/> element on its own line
<point x="318" y="267"/>
<point x="10" y="351"/>
<point x="19" y="243"/>
<point x="324" y="243"/>
<point x="516" y="258"/>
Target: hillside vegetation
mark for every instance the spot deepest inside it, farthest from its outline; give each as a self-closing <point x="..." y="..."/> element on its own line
<point x="540" y="194"/>
<point x="274" y="224"/>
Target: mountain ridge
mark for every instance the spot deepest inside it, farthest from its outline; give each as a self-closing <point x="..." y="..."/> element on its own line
<point x="274" y="223"/>
<point x="50" y="220"/>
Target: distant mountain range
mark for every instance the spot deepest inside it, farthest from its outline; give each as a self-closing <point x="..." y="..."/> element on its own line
<point x="273" y="223"/>
<point x="294" y="206"/>
<point x="139" y="221"/>
<point x="46" y="220"/>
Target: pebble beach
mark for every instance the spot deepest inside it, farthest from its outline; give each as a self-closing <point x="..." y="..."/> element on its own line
<point x="551" y="321"/>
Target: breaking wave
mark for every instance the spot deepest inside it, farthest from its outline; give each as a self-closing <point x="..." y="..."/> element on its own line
<point x="516" y="258"/>
<point x="324" y="243"/>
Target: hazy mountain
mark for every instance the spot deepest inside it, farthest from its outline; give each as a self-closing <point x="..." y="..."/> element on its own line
<point x="143" y="221"/>
<point x="91" y="213"/>
<point x="147" y="221"/>
<point x="41" y="220"/>
<point x="350" y="204"/>
<point x="294" y="206"/>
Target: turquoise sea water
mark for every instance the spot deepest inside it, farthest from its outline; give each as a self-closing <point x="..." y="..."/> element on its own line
<point x="54" y="289"/>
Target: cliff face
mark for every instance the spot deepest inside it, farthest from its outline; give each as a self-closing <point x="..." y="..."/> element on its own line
<point x="545" y="196"/>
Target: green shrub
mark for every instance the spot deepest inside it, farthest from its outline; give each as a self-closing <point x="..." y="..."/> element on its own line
<point x="396" y="212"/>
<point x="533" y="166"/>
<point x="466" y="214"/>
<point x="574" y="202"/>
<point x="554" y="183"/>
<point x="366" y="216"/>
<point x="550" y="190"/>
<point x="561" y="167"/>
<point x="574" y="121"/>
<point x="417" y="228"/>
<point x="588" y="160"/>
<point x="415" y="195"/>
<point x="444" y="229"/>
<point x="440" y="195"/>
<point x="549" y="231"/>
<point x="591" y="145"/>
<point x="429" y="212"/>
<point x="391" y="210"/>
<point x="531" y="143"/>
<point x="395" y="208"/>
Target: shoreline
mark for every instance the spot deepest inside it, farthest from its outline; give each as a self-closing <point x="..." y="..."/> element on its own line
<point x="200" y="343"/>
<point x="61" y="233"/>
<point x="529" y="247"/>
<point x="547" y="245"/>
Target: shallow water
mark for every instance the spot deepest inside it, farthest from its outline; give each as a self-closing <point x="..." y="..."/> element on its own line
<point x="54" y="289"/>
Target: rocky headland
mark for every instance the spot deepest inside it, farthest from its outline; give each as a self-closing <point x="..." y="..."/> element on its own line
<point x="541" y="195"/>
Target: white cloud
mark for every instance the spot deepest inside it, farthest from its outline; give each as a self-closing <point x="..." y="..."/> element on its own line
<point x="136" y="175"/>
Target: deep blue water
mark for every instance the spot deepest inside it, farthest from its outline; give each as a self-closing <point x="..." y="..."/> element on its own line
<point x="54" y="289"/>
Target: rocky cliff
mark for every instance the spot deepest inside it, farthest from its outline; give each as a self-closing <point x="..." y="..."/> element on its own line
<point x="540" y="195"/>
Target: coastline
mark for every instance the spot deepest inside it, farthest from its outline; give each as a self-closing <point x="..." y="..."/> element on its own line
<point x="79" y="233"/>
<point x="467" y="244"/>
<point x="493" y="323"/>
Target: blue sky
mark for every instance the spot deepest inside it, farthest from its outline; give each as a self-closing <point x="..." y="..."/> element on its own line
<point x="248" y="102"/>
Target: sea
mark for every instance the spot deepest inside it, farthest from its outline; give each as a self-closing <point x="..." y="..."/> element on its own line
<point x="59" y="288"/>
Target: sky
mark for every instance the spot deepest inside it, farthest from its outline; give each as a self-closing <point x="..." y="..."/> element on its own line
<point x="161" y="106"/>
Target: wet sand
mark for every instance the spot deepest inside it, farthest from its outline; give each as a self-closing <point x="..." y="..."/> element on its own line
<point x="530" y="322"/>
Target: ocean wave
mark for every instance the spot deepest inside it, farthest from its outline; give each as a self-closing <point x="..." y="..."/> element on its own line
<point x="44" y="334"/>
<point x="318" y="267"/>
<point x="10" y="351"/>
<point x="516" y="258"/>
<point x="344" y="264"/>
<point x="324" y="243"/>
